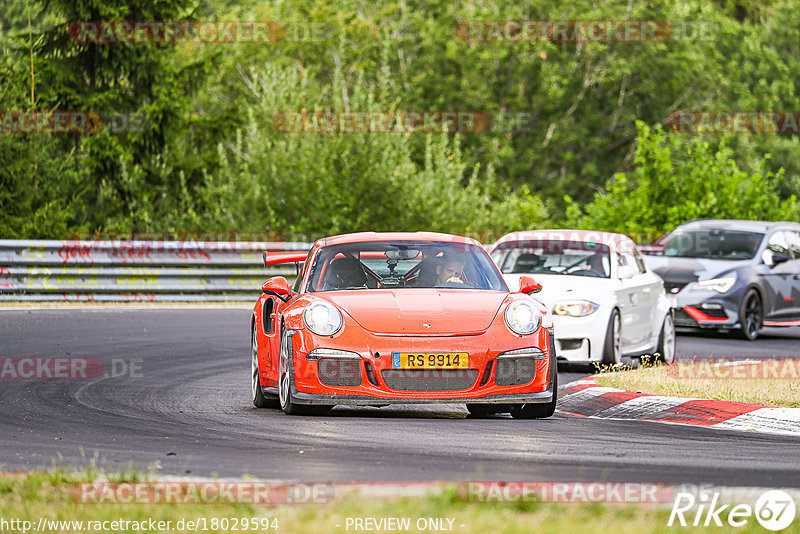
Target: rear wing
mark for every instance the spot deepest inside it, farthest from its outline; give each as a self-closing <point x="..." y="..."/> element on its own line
<point x="277" y="258"/>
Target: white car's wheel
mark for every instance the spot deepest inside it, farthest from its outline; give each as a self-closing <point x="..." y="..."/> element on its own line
<point x="612" y="348"/>
<point x="666" y="341"/>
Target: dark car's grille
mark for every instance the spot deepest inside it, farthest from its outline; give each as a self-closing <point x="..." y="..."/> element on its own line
<point x="674" y="287"/>
<point x="429" y="379"/>
<point x="717" y="313"/>
<point x="514" y="371"/>
<point x="683" y="319"/>
<point x="339" y="371"/>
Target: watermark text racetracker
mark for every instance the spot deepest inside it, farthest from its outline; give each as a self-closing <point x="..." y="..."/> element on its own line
<point x="343" y="122"/>
<point x="202" y="492"/>
<point x="786" y="369"/>
<point x="734" y="122"/>
<point x="68" y="368"/>
<point x="563" y="30"/>
<point x="564" y="492"/>
<point x="576" y="31"/>
<point x="70" y="122"/>
<point x="202" y="32"/>
<point x="328" y="121"/>
<point x="218" y="239"/>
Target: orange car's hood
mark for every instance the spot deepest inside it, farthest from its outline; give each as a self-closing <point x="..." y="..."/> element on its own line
<point x="420" y="311"/>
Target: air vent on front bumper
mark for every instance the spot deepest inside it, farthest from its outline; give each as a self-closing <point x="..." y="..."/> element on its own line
<point x="339" y="371"/>
<point x="571" y="343"/>
<point x="429" y="379"/>
<point x="514" y="371"/>
<point x="682" y="318"/>
<point x="715" y="312"/>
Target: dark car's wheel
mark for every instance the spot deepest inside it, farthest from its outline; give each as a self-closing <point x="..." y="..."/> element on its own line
<point x="286" y="373"/>
<point x="540" y="410"/>
<point x="666" y="341"/>
<point x="612" y="347"/>
<point x="259" y="399"/>
<point x="751" y="314"/>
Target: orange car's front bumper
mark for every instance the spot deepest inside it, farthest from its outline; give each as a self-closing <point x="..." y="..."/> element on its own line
<point x="372" y="378"/>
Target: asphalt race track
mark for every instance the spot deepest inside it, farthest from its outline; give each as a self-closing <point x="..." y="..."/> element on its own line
<point x="186" y="411"/>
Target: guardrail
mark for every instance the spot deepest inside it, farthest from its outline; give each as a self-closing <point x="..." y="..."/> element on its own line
<point x="136" y="271"/>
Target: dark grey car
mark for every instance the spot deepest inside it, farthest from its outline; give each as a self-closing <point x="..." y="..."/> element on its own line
<point x="731" y="274"/>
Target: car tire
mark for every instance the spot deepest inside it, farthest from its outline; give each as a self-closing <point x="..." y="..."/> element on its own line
<point x="286" y="380"/>
<point x="666" y="341"/>
<point x="612" y="353"/>
<point x="259" y="399"/>
<point x="541" y="410"/>
<point x="751" y="315"/>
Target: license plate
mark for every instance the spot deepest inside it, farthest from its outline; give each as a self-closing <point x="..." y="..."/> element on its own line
<point x="430" y="360"/>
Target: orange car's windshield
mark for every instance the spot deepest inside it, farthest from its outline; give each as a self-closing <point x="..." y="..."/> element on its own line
<point x="403" y="264"/>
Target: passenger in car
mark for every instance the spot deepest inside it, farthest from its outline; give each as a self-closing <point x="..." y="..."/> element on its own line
<point x="344" y="273"/>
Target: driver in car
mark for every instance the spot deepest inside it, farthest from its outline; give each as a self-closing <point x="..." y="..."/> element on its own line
<point x="449" y="272"/>
<point x="594" y="263"/>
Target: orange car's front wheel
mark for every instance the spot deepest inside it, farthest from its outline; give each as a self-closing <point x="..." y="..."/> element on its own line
<point x="286" y="374"/>
<point x="537" y="411"/>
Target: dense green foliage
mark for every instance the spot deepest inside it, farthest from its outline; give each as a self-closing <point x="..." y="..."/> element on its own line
<point x="650" y="198"/>
<point x="210" y="158"/>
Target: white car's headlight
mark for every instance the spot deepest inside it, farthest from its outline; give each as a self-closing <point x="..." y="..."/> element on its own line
<point x="322" y="318"/>
<point x="522" y="317"/>
<point x="575" y="308"/>
<point x="720" y="285"/>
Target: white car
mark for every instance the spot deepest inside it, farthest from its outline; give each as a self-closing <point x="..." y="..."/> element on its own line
<point x="605" y="303"/>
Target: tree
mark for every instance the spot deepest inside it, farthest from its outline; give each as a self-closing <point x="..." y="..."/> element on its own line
<point x="676" y="178"/>
<point x="141" y="83"/>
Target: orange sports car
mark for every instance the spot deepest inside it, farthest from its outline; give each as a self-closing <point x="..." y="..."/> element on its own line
<point x="375" y="319"/>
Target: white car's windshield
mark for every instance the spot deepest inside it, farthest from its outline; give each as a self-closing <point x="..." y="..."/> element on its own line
<point x="581" y="258"/>
<point x="403" y="264"/>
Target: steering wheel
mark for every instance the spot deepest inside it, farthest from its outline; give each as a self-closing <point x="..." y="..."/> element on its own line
<point x="453" y="285"/>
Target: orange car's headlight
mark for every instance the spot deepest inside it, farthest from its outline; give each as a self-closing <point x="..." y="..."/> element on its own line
<point x="322" y="318"/>
<point x="522" y="317"/>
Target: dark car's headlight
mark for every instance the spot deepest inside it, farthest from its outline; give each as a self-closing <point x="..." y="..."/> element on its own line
<point x="322" y="318"/>
<point x="522" y="317"/>
<point x="720" y="285"/>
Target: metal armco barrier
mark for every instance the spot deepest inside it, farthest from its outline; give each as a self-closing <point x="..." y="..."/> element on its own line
<point x="136" y="271"/>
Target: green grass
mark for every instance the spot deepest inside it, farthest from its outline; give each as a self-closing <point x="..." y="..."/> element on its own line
<point x="31" y="496"/>
<point x="770" y="386"/>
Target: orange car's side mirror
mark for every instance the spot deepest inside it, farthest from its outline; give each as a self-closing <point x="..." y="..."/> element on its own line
<point x="277" y="286"/>
<point x="528" y="285"/>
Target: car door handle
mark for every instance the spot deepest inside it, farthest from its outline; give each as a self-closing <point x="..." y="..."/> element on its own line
<point x="646" y="290"/>
<point x="797" y="277"/>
